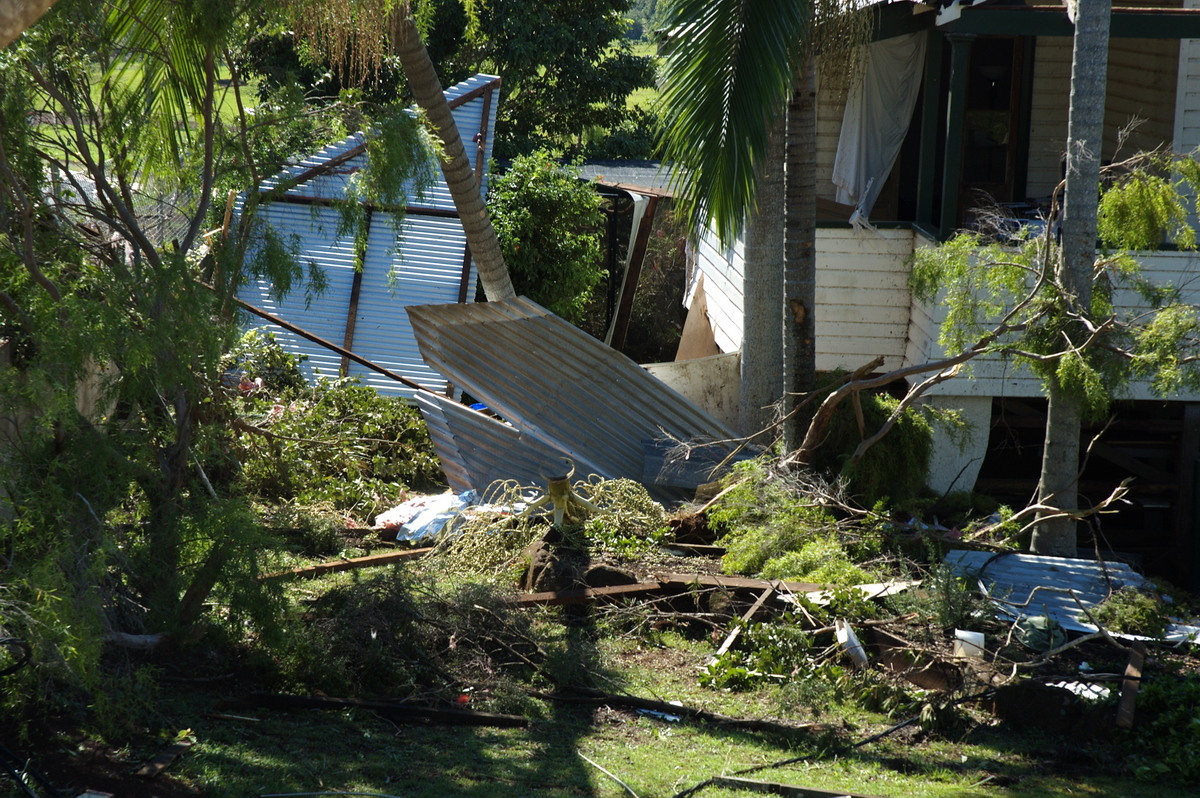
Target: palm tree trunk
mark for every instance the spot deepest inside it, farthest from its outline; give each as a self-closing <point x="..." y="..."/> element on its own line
<point x="1085" y="137"/>
<point x="762" y="285"/>
<point x="799" y="249"/>
<point x="427" y="90"/>
<point x="17" y="15"/>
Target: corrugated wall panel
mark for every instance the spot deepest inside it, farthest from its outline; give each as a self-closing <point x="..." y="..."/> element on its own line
<point x="312" y="229"/>
<point x="476" y="450"/>
<point x="422" y="266"/>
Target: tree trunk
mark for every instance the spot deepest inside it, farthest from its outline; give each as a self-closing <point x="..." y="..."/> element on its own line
<point x="799" y="250"/>
<point x="17" y="15"/>
<point x="1073" y="273"/>
<point x="427" y="90"/>
<point x="762" y="285"/>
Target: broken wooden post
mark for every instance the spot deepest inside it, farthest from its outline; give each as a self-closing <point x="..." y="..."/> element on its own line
<point x="1129" y="686"/>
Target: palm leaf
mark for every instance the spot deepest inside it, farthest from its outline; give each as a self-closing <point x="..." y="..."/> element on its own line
<point x="725" y="80"/>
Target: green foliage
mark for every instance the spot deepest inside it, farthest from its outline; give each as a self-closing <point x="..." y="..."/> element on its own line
<point x="548" y="222"/>
<point x="1167" y="737"/>
<point x="338" y="444"/>
<point x="1089" y="353"/>
<point x="567" y="68"/>
<point x="763" y="517"/>
<point x="821" y="560"/>
<point x="1134" y="611"/>
<point x="630" y="522"/>
<point x="945" y="600"/>
<point x="258" y="356"/>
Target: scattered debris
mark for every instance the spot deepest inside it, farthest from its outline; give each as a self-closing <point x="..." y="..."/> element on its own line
<point x="849" y="641"/>
<point x="1130" y="684"/>
<point x="736" y="632"/>
<point x="161" y="762"/>
<point x="424" y="516"/>
<point x="968" y="645"/>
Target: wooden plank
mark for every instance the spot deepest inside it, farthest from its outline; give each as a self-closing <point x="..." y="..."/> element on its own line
<point x="775" y="788"/>
<point x="736" y="632"/>
<point x="737" y="583"/>
<point x="371" y="560"/>
<point x="1129" y="686"/>
<point x="161" y="762"/>
<point x="583" y="594"/>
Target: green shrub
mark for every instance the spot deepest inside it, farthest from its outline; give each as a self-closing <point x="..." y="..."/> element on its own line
<point x="764" y="516"/>
<point x="894" y="468"/>
<point x="1132" y="610"/>
<point x="548" y="222"/>
<point x="821" y="560"/>
<point x="1167" y="738"/>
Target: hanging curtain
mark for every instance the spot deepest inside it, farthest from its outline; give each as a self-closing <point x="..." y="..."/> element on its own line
<point x="878" y="112"/>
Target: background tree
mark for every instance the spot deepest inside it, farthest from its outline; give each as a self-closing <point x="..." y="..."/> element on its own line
<point x="568" y="69"/>
<point x="1085" y="136"/>
<point x="549" y="222"/>
<point x="116" y="134"/>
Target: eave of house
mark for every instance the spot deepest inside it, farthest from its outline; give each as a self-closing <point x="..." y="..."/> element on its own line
<point x="1136" y="23"/>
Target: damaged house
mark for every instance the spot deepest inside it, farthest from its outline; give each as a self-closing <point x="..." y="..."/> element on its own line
<point x="958" y="103"/>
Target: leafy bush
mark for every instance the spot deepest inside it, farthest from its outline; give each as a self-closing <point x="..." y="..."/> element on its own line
<point x="1132" y="610"/>
<point x="821" y="560"/>
<point x="892" y="469"/>
<point x="1167" y="738"/>
<point x="764" y="516"/>
<point x="548" y="222"/>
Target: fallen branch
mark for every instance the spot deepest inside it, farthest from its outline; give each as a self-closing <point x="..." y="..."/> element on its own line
<point x="396" y="710"/>
<point x="588" y="695"/>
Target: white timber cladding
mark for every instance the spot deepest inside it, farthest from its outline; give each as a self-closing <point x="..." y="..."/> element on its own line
<point x="422" y="261"/>
<point x="831" y="106"/>
<point x="1187" y="94"/>
<point x="1048" y="114"/>
<point x="862" y="295"/>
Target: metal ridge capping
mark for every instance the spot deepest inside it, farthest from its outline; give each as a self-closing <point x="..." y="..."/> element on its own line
<point x="559" y="386"/>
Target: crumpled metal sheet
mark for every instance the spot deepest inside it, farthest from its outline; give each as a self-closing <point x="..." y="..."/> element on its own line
<point x="1030" y="585"/>
<point x="558" y="386"/>
<point x="476" y="450"/>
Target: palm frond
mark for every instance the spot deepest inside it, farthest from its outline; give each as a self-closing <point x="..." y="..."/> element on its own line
<point x="725" y="80"/>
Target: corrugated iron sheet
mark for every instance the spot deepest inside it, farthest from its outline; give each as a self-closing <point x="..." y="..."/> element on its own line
<point x="1029" y="585"/>
<point x="424" y="262"/>
<point x="313" y="229"/>
<point x="558" y="385"/>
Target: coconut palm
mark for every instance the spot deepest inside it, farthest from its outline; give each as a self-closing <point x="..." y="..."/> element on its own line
<point x="732" y="70"/>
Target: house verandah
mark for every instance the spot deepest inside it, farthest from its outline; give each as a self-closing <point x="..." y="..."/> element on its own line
<point x="988" y="125"/>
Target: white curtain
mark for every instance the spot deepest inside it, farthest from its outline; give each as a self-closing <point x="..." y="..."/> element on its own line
<point x="878" y="112"/>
